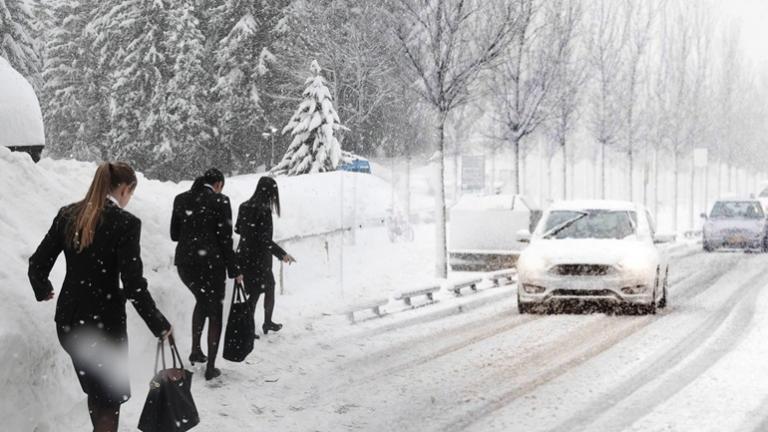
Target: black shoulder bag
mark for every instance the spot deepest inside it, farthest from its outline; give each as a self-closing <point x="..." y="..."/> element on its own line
<point x="169" y="406"/>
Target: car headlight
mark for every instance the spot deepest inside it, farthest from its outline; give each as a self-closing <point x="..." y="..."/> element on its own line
<point x="535" y="264"/>
<point x="634" y="266"/>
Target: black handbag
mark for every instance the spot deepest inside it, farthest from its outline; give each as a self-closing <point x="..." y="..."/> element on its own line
<point x="241" y="329"/>
<point x="169" y="406"/>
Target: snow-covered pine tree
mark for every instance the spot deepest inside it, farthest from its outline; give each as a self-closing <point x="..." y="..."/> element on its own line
<point x="186" y="96"/>
<point x="17" y="41"/>
<point x="314" y="147"/>
<point x="141" y="125"/>
<point x="75" y="90"/>
<point x="244" y="31"/>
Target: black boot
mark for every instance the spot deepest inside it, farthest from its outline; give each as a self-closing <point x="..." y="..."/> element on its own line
<point x="197" y="357"/>
<point x="270" y="326"/>
<point x="212" y="373"/>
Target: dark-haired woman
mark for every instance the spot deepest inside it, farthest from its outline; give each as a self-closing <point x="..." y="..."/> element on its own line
<point x="100" y="242"/>
<point x="256" y="248"/>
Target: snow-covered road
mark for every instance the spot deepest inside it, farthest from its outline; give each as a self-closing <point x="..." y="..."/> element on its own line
<point x="699" y="365"/>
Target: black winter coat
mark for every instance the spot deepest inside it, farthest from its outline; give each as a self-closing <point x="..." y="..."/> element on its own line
<point x="256" y="247"/>
<point x="91" y="292"/>
<point x="201" y="223"/>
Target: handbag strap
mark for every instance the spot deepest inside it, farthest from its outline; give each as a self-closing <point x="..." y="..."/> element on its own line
<point x="160" y="354"/>
<point x="238" y="295"/>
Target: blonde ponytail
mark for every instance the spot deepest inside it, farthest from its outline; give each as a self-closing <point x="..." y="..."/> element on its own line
<point x="87" y="213"/>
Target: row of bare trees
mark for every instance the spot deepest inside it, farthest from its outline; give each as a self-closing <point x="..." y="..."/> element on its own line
<point x="649" y="80"/>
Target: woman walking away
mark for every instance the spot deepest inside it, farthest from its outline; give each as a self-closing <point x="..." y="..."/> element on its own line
<point x="202" y="225"/>
<point x="100" y="241"/>
<point x="256" y="248"/>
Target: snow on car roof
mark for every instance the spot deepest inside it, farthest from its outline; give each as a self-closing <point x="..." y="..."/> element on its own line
<point x="594" y="205"/>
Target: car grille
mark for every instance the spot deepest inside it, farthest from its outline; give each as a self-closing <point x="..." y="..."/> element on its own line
<point x="582" y="293"/>
<point x="581" y="270"/>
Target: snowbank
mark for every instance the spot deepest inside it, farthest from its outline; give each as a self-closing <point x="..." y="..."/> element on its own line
<point x="20" y="118"/>
<point x="36" y="376"/>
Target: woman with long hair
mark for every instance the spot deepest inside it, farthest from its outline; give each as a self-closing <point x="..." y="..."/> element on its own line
<point x="101" y="246"/>
<point x="256" y="248"/>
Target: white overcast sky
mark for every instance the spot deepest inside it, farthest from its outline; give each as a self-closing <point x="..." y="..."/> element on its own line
<point x="752" y="18"/>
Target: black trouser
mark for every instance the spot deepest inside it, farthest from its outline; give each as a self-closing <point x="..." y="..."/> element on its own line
<point x="257" y="283"/>
<point x="207" y="285"/>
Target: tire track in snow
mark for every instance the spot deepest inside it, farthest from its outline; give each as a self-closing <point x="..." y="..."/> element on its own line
<point x="575" y="350"/>
<point x="741" y="303"/>
<point x="470" y="329"/>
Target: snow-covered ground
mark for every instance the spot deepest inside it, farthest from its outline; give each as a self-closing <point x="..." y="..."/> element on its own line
<point x="467" y="363"/>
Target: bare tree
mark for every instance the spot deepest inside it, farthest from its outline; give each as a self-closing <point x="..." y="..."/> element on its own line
<point x="638" y="19"/>
<point x="446" y="45"/>
<point x="701" y="34"/>
<point x="566" y="17"/>
<point x="521" y="85"/>
<point x="605" y="46"/>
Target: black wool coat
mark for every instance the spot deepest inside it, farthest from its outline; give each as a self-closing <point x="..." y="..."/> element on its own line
<point x="201" y="223"/>
<point x="256" y="247"/>
<point x="91" y="293"/>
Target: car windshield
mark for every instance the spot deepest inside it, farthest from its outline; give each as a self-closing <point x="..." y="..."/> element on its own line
<point x="764" y="193"/>
<point x="737" y="210"/>
<point x="590" y="224"/>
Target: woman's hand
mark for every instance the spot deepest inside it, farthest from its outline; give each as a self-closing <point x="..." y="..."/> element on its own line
<point x="288" y="259"/>
<point x="239" y="279"/>
<point x="168" y="334"/>
<point x="50" y="296"/>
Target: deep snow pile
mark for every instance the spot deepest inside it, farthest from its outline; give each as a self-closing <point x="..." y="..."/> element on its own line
<point x="20" y="118"/>
<point x="37" y="380"/>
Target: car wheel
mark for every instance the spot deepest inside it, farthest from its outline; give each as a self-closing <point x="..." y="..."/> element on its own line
<point x="523" y="308"/>
<point x="663" y="301"/>
<point x="764" y="249"/>
<point x="707" y="247"/>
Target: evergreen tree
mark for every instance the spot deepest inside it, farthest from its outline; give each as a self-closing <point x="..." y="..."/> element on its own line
<point x="244" y="33"/>
<point x="314" y="147"/>
<point x="17" y="43"/>
<point x="141" y="125"/>
<point x="186" y="96"/>
<point x="75" y="94"/>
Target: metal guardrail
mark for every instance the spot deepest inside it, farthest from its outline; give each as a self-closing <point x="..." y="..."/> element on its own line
<point x="281" y="242"/>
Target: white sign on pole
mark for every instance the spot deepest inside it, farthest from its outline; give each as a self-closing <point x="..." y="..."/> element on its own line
<point x="700" y="156"/>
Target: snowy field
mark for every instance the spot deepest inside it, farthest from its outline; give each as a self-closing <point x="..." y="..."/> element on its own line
<point x="466" y="363"/>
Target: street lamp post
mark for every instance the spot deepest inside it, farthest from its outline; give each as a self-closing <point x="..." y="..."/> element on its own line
<point x="270" y="133"/>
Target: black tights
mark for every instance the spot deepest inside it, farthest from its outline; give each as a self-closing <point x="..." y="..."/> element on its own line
<point x="207" y="285"/>
<point x="269" y="296"/>
<point x="104" y="417"/>
<point x="214" y="315"/>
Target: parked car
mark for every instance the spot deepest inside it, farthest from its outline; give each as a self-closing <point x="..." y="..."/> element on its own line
<point x="481" y="232"/>
<point x="736" y="224"/>
<point x="594" y="251"/>
<point x="762" y="195"/>
<point x="357" y="164"/>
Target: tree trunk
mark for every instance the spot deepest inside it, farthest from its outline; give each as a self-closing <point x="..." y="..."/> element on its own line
<point x="631" y="173"/>
<point x="516" y="166"/>
<point x="656" y="183"/>
<point x="492" y="189"/>
<point x="441" y="233"/>
<point x="676" y="194"/>
<point x="549" y="176"/>
<point x="602" y="169"/>
<point x="692" y="207"/>
<point x="408" y="185"/>
<point x="565" y="167"/>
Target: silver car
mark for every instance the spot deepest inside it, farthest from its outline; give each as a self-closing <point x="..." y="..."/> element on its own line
<point x="736" y="224"/>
